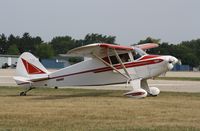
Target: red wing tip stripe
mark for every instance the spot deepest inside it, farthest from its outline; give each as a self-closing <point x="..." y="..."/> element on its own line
<point x="148" y="46"/>
<point x="31" y="69"/>
<point x="119" y="47"/>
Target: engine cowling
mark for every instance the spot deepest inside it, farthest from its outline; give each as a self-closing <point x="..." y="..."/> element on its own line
<point x="154" y="91"/>
<point x="137" y="93"/>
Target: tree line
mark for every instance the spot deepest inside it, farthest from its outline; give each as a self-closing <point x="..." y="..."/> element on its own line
<point x="187" y="51"/>
<point x="16" y="45"/>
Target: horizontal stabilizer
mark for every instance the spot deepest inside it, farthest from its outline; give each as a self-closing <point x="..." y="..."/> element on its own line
<point x="21" y="80"/>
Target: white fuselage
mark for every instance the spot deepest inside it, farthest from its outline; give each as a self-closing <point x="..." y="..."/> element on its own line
<point x="94" y="72"/>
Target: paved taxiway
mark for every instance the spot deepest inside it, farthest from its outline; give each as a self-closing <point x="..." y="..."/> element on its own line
<point x="164" y="85"/>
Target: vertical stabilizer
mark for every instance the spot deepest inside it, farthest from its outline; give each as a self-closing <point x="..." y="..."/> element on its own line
<point x="28" y="66"/>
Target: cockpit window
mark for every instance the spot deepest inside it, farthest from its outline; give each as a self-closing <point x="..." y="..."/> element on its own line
<point x="124" y="58"/>
<point x="137" y="53"/>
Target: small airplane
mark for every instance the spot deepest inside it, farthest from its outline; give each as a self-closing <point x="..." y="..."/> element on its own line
<point x="105" y="64"/>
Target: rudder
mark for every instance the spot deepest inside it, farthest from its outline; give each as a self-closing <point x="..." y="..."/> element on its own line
<point x="28" y="65"/>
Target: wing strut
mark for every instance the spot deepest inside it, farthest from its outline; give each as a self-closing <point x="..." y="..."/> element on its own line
<point x="106" y="63"/>
<point x="108" y="55"/>
<point x="120" y="61"/>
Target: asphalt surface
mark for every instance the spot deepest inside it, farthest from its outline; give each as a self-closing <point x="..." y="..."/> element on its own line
<point x="164" y="85"/>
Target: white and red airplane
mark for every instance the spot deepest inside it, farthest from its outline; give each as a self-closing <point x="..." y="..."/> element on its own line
<point x="106" y="64"/>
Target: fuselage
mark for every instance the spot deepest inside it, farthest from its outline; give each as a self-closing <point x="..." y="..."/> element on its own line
<point x="94" y="72"/>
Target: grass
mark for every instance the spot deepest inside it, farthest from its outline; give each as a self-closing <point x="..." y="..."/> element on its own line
<point x="179" y="78"/>
<point x="100" y="110"/>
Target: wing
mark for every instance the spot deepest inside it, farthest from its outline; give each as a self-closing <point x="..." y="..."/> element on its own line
<point x="147" y="46"/>
<point x="103" y="49"/>
<point x="100" y="49"/>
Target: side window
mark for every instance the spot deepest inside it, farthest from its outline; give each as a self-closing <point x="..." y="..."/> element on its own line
<point x="106" y="59"/>
<point x="124" y="57"/>
<point x="114" y="59"/>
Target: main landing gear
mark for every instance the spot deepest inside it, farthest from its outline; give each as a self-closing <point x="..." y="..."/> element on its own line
<point x="23" y="93"/>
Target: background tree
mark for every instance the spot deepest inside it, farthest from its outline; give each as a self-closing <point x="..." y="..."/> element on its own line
<point x="149" y="40"/>
<point x="62" y="44"/>
<point x="13" y="42"/>
<point x="194" y="45"/>
<point x="28" y="43"/>
<point x="13" y="50"/>
<point x="3" y="44"/>
<point x="163" y="49"/>
<point x="44" y="50"/>
<point x="98" y="38"/>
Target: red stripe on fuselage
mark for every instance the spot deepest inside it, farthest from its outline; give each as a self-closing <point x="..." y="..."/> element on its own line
<point x="118" y="66"/>
<point x="148" y="57"/>
<point x="104" y="69"/>
<point x="130" y="65"/>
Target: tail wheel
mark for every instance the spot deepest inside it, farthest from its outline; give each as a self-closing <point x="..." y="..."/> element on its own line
<point x="22" y="94"/>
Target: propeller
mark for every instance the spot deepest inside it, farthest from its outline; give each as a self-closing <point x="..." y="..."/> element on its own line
<point x="179" y="62"/>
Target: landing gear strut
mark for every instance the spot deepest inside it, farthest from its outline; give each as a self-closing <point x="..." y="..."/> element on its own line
<point x="23" y="93"/>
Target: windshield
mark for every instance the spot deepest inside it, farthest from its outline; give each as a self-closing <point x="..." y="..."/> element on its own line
<point x="137" y="53"/>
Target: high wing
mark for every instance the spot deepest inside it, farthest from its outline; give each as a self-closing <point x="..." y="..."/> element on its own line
<point x="103" y="49"/>
<point x="100" y="49"/>
<point x="147" y="46"/>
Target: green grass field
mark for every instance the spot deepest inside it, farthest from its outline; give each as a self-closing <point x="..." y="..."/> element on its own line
<point x="96" y="110"/>
<point x="179" y="78"/>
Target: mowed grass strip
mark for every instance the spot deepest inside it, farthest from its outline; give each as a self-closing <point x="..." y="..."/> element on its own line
<point x="101" y="110"/>
<point x="179" y="78"/>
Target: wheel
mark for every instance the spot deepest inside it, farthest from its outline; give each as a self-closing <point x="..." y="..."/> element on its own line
<point x="22" y="94"/>
<point x="152" y="95"/>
